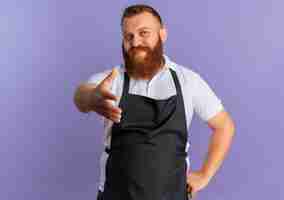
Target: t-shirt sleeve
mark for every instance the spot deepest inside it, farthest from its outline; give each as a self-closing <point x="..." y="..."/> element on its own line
<point x="205" y="101"/>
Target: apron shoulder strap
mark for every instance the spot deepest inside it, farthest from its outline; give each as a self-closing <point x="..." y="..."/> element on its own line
<point x="176" y="81"/>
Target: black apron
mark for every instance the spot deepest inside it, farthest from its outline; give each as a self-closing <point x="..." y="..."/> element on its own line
<point x="147" y="156"/>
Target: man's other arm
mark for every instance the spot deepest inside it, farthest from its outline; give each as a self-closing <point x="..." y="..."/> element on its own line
<point x="221" y="138"/>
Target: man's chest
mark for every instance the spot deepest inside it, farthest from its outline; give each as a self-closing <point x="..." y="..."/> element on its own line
<point x="161" y="86"/>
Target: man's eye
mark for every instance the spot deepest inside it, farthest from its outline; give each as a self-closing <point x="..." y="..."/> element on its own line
<point x="144" y="33"/>
<point x="127" y="37"/>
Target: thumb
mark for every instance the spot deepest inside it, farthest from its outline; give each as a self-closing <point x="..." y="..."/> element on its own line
<point x="110" y="77"/>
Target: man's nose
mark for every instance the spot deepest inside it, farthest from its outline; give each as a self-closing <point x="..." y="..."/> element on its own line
<point x="136" y="41"/>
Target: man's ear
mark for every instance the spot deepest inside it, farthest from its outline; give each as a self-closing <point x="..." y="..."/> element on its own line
<point x="163" y="34"/>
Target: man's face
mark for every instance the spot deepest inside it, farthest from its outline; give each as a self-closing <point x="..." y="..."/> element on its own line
<point x="142" y="45"/>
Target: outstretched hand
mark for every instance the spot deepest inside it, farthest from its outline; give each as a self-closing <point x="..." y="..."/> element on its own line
<point x="101" y="99"/>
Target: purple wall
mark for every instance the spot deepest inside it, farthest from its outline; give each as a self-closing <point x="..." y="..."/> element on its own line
<point x="51" y="151"/>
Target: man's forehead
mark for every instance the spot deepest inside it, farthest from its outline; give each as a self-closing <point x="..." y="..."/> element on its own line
<point x="142" y="20"/>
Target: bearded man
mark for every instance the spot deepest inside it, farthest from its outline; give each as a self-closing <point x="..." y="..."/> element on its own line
<point x="147" y="104"/>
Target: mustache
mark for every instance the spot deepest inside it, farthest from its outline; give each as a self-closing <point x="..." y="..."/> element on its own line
<point x="138" y="48"/>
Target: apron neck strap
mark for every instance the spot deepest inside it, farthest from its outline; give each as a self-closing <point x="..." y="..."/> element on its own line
<point x="173" y="73"/>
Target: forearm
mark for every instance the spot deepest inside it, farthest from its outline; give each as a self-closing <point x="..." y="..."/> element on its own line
<point x="82" y="96"/>
<point x="220" y="142"/>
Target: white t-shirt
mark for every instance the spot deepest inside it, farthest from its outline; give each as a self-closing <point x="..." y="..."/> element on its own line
<point x="198" y="97"/>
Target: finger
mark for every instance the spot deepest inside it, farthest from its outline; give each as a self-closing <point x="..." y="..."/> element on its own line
<point x="110" y="77"/>
<point x="108" y="95"/>
<point x="108" y="107"/>
<point x="188" y="188"/>
<point x="111" y="116"/>
<point x="190" y="191"/>
<point x="112" y="108"/>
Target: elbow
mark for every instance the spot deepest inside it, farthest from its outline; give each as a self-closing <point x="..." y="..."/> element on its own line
<point x="225" y="126"/>
<point x="229" y="128"/>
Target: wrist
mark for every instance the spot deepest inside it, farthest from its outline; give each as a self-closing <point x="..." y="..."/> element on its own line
<point x="206" y="173"/>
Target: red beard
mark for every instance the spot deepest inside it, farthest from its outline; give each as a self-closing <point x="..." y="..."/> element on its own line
<point x="146" y="67"/>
